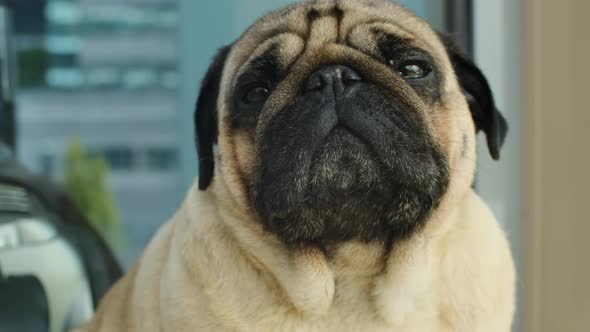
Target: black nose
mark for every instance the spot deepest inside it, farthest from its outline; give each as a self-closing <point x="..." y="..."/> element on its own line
<point x="332" y="78"/>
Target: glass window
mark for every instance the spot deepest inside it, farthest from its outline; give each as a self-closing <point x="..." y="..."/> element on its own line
<point x="100" y="79"/>
<point x="63" y="59"/>
<point x="63" y="12"/>
<point x="63" y="44"/>
<point x="118" y="158"/>
<point x="61" y="77"/>
<point x="161" y="159"/>
<point x="139" y="78"/>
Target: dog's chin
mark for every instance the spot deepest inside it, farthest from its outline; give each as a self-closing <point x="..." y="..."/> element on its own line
<point x="342" y="164"/>
<point x="350" y="195"/>
<point x="345" y="197"/>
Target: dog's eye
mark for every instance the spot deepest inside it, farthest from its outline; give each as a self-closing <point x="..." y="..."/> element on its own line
<point x="414" y="69"/>
<point x="255" y="95"/>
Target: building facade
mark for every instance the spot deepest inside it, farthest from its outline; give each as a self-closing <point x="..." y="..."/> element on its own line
<point x="109" y="81"/>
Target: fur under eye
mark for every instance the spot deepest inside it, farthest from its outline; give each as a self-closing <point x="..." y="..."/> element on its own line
<point x="414" y="69"/>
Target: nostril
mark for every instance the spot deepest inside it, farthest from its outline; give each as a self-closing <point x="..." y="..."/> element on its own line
<point x="350" y="76"/>
<point x="315" y="82"/>
<point x="337" y="76"/>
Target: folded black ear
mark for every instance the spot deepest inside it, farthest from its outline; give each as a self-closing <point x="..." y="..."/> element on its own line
<point x="479" y="97"/>
<point x="206" y="118"/>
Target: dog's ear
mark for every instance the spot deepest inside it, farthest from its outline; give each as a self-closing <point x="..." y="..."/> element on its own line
<point x="205" y="117"/>
<point x="479" y="97"/>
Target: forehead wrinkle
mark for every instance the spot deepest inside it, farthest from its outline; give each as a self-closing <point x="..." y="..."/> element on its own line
<point x="357" y="38"/>
<point x="260" y="50"/>
<point x="272" y="21"/>
<point x="322" y="31"/>
<point x="287" y="20"/>
<point x="392" y="14"/>
<point x="398" y="28"/>
<point x="421" y="43"/>
<point x="294" y="19"/>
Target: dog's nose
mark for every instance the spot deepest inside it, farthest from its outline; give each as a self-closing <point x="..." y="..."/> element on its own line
<point x="334" y="78"/>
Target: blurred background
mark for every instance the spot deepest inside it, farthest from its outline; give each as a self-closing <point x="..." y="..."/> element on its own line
<point x="98" y="95"/>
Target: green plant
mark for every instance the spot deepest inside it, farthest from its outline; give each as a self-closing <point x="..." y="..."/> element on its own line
<point x="86" y="183"/>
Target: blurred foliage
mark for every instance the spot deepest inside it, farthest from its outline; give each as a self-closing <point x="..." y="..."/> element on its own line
<point x="32" y="65"/>
<point x="86" y="183"/>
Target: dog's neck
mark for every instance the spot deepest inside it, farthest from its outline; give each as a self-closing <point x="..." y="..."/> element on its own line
<point x="306" y="279"/>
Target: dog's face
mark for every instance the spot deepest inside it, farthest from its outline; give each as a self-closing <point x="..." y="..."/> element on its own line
<point x="343" y="120"/>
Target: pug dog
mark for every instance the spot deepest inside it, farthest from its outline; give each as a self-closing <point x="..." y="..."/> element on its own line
<point x="337" y="149"/>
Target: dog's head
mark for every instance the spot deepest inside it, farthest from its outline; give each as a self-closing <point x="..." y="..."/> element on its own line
<point x="342" y="120"/>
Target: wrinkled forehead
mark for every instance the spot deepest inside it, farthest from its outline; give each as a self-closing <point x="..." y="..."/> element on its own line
<point x="305" y="25"/>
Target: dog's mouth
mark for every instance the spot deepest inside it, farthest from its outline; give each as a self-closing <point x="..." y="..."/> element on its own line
<point x="364" y="172"/>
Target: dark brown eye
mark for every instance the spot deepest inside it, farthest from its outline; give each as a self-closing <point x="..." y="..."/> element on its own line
<point x="256" y="95"/>
<point x="414" y="69"/>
